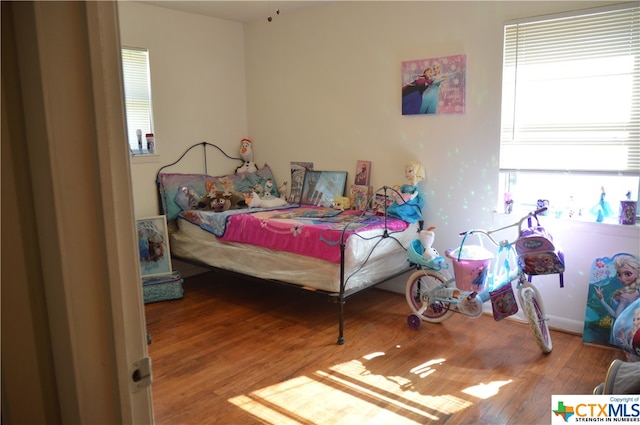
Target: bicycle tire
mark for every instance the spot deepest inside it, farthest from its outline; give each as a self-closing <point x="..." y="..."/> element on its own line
<point x="533" y="310"/>
<point x="417" y="285"/>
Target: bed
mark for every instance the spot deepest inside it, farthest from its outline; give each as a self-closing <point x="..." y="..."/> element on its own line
<point x="316" y="248"/>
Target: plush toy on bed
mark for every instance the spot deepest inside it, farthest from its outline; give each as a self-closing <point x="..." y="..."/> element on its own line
<point x="256" y="202"/>
<point x="268" y="189"/>
<point x="246" y="153"/>
<point x="341" y="203"/>
<point x="409" y="202"/>
<point x="219" y="201"/>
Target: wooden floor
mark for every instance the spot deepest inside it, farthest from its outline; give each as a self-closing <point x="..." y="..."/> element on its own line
<point x="241" y="352"/>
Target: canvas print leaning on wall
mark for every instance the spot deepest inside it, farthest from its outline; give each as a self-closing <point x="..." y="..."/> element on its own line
<point x="614" y="285"/>
<point x="153" y="246"/>
<point x="434" y="86"/>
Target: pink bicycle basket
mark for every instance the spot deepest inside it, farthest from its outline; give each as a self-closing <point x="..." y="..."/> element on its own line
<point x="470" y="266"/>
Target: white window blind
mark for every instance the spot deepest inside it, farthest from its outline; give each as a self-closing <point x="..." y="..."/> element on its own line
<point x="571" y="92"/>
<point x="137" y="93"/>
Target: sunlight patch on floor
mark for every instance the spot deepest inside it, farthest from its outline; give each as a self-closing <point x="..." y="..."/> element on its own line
<point x="342" y="393"/>
<point x="402" y="387"/>
<point x="304" y="400"/>
<point x="485" y="391"/>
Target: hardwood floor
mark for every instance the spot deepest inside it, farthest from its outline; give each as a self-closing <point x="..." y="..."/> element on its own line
<point x="243" y="352"/>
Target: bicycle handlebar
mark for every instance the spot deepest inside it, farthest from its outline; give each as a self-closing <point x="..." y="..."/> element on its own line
<point x="505" y="242"/>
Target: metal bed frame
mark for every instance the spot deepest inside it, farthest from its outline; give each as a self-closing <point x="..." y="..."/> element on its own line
<point x="336" y="297"/>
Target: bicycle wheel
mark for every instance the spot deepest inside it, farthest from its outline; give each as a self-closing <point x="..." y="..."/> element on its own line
<point x="533" y="310"/>
<point x="417" y="293"/>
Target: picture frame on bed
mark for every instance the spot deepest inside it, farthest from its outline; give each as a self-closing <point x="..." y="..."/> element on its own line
<point x="153" y="246"/>
<point x="363" y="170"/>
<point x="321" y="187"/>
<point x="298" y="170"/>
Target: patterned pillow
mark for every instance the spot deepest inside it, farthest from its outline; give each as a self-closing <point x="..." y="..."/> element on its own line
<point x="172" y="184"/>
<point x="245" y="183"/>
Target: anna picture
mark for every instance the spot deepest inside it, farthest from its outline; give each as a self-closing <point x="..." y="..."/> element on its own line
<point x="434" y="86"/>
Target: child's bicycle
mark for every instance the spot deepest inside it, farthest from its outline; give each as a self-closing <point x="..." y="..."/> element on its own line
<point x="434" y="296"/>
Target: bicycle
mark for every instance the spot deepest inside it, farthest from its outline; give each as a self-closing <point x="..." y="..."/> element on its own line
<point x="434" y="295"/>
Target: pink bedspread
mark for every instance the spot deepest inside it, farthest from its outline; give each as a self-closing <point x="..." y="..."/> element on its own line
<point x="312" y="231"/>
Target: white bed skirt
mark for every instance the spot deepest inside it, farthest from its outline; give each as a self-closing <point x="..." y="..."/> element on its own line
<point x="368" y="259"/>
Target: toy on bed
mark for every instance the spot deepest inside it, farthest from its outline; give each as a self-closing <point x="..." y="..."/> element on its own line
<point x="219" y="201"/>
<point x="341" y="203"/>
<point x="409" y="201"/>
<point x="246" y="153"/>
<point x="255" y="201"/>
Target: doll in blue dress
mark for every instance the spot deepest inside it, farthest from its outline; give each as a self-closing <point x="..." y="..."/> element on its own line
<point x="409" y="201"/>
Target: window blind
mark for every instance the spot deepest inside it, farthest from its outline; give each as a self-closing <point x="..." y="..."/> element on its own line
<point x="137" y="93"/>
<point x="571" y="92"/>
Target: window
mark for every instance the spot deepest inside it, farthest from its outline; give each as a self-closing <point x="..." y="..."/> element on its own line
<point x="137" y="94"/>
<point x="571" y="109"/>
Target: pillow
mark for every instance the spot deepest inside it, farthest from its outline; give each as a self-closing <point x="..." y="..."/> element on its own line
<point x="171" y="183"/>
<point x="187" y="198"/>
<point x="245" y="183"/>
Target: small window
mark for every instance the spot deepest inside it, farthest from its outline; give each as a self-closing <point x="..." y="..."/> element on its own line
<point x="571" y="110"/>
<point x="137" y="94"/>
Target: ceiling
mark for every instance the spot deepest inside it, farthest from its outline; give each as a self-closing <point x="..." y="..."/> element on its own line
<point x="238" y="10"/>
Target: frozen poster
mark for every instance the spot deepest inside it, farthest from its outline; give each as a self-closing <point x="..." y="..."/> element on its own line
<point x="434" y="86"/>
<point x="614" y="284"/>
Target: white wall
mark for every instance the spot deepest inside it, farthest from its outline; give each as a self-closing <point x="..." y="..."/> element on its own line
<point x="197" y="84"/>
<point x="323" y="85"/>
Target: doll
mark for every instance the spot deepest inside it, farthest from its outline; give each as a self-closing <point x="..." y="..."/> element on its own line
<point x="409" y="201"/>
<point x="602" y="209"/>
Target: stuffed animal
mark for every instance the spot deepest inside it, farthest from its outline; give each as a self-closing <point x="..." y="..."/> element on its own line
<point x="341" y="203"/>
<point x="268" y="188"/>
<point x="219" y="201"/>
<point x="246" y="153"/>
<point x="256" y="202"/>
<point x="427" y="237"/>
<point x="282" y="189"/>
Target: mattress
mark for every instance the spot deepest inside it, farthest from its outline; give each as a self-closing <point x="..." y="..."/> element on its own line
<point x="369" y="258"/>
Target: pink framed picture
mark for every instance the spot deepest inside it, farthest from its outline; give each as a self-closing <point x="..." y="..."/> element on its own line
<point x="363" y="170"/>
<point x="434" y="85"/>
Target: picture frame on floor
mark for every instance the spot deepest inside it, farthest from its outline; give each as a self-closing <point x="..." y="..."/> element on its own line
<point x="153" y="246"/>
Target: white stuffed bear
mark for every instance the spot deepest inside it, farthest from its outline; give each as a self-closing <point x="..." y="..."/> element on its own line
<point x="427" y="237"/>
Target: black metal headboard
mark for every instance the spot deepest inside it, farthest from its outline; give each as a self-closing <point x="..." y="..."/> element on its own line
<point x="204" y="146"/>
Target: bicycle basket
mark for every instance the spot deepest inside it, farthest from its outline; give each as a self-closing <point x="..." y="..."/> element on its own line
<point x="470" y="266"/>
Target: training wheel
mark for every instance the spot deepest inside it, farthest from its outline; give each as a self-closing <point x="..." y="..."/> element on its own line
<point x="414" y="321"/>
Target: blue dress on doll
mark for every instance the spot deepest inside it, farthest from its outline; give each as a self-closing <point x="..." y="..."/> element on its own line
<point x="411" y="210"/>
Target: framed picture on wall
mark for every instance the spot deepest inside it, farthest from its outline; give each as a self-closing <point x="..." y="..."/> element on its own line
<point x="321" y="187"/>
<point x="153" y="246"/>
<point x="434" y="85"/>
